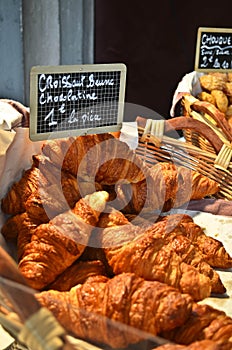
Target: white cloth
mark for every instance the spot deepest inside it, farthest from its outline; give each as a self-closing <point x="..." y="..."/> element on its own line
<point x="189" y="83"/>
<point x="9" y="116"/>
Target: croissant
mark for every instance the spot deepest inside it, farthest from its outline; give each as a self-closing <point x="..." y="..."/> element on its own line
<point x="205" y="323"/>
<point x="77" y="273"/>
<point x="149" y="306"/>
<point x="189" y="253"/>
<point x="14" y="224"/>
<point x="200" y="185"/>
<point x="213" y="250"/>
<point x="14" y="201"/>
<point x="167" y="186"/>
<point x="19" y="228"/>
<point x="61" y="195"/>
<point x="43" y="191"/>
<point x="56" y="245"/>
<point x="181" y="243"/>
<point x="198" y="345"/>
<point x="101" y="157"/>
<point x="128" y="248"/>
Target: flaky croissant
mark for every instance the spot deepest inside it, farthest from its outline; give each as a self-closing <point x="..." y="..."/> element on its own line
<point x="198" y="345"/>
<point x="14" y="224"/>
<point x="213" y="250"/>
<point x="14" y="201"/>
<point x="101" y="157"/>
<point x="56" y="245"/>
<point x="205" y="323"/>
<point x="19" y="228"/>
<point x="77" y="273"/>
<point x="43" y="205"/>
<point x="188" y="252"/>
<point x="172" y="185"/>
<point x="128" y="248"/>
<point x="43" y="191"/>
<point x="146" y="305"/>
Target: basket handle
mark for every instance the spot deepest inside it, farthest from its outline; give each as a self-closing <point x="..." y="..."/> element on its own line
<point x="208" y="108"/>
<point x="180" y="123"/>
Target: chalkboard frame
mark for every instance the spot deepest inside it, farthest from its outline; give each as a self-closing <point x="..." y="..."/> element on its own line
<point x="198" y="48"/>
<point x="36" y="71"/>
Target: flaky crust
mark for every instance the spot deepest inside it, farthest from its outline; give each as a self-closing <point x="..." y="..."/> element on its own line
<point x="77" y="273"/>
<point x="128" y="244"/>
<point x="14" y="201"/>
<point x="56" y="245"/>
<point x="205" y="323"/>
<point x="125" y="298"/>
<point x="147" y="253"/>
<point x="212" y="249"/>
<point x="169" y="186"/>
<point x="198" y="345"/>
<point x="100" y="156"/>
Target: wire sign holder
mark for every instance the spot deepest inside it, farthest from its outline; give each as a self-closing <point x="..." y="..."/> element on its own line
<point x="213" y="49"/>
<point x="76" y="100"/>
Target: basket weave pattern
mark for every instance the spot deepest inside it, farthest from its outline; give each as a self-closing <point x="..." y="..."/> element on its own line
<point x="209" y="163"/>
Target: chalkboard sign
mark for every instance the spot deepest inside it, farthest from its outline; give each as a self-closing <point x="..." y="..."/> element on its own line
<point x="76" y="100"/>
<point x="213" y="50"/>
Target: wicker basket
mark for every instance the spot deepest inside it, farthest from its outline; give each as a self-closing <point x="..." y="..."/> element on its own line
<point x="156" y="144"/>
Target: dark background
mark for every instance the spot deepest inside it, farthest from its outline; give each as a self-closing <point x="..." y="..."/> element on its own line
<point x="156" y="40"/>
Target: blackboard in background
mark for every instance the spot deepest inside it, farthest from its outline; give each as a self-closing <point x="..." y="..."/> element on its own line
<point x="213" y="49"/>
<point x="76" y="100"/>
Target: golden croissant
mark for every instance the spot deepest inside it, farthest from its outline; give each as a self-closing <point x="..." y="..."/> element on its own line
<point x="128" y="248"/>
<point x="56" y="245"/>
<point x="213" y="251"/>
<point x="43" y="191"/>
<point x="77" y="273"/>
<point x="101" y="157"/>
<point x="198" y="345"/>
<point x="19" y="228"/>
<point x="166" y="187"/>
<point x="14" y="201"/>
<point x="73" y="167"/>
<point x="205" y="323"/>
<point x="149" y="306"/>
<point x="189" y="254"/>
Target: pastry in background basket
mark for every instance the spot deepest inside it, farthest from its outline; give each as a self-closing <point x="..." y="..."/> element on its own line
<point x="205" y="100"/>
<point x="214" y="88"/>
<point x="219" y="87"/>
<point x="211" y="87"/>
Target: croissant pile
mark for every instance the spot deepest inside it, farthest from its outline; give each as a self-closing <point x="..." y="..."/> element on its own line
<point x="95" y="240"/>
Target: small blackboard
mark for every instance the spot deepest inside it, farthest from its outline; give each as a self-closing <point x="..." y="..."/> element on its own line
<point x="76" y="100"/>
<point x="213" y="50"/>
